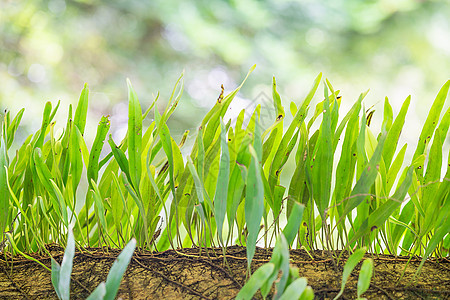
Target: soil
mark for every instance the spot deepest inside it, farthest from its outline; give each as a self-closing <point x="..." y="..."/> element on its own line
<point x="201" y="274"/>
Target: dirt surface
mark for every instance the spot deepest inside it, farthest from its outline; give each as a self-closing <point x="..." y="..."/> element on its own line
<point x="201" y="274"/>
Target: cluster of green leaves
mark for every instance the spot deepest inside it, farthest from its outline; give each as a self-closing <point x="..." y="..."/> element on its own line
<point x="289" y="285"/>
<point x="227" y="190"/>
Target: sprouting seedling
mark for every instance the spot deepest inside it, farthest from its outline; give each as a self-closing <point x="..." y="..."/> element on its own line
<point x="289" y="285"/>
<point x="365" y="274"/>
<point x="105" y="290"/>
<point x="61" y="273"/>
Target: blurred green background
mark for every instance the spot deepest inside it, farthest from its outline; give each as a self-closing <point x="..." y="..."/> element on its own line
<point x="49" y="49"/>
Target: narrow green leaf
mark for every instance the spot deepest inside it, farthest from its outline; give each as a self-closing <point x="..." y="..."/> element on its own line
<point x="351" y="263"/>
<point x="45" y="122"/>
<point x="14" y="246"/>
<point x="164" y="134"/>
<point x="295" y="289"/>
<point x="118" y="269"/>
<point x="254" y="203"/>
<point x="378" y="217"/>
<point x="100" y="209"/>
<point x="120" y="158"/>
<point x="12" y="127"/>
<point x="61" y="202"/>
<point x="134" y="136"/>
<point x="442" y="229"/>
<point x="394" y="169"/>
<point x="298" y="119"/>
<point x="56" y="270"/>
<point x="431" y="123"/>
<point x="277" y="100"/>
<point x="365" y="276"/>
<point x="394" y="133"/>
<point x="199" y="187"/>
<point x="351" y="113"/>
<point x="255" y="282"/>
<point x="388" y="116"/>
<point x="66" y="268"/>
<point x="76" y="162"/>
<point x="97" y="146"/>
<point x="366" y="180"/>
<point x="81" y="111"/>
<point x="4" y="192"/>
<point x="294" y="221"/>
<point x="140" y="205"/>
<point x="322" y="163"/>
<point x="220" y="198"/>
<point x="212" y="118"/>
<point x="280" y="257"/>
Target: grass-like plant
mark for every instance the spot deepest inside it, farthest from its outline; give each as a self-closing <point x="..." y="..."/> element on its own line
<point x="229" y="184"/>
<point x="61" y="274"/>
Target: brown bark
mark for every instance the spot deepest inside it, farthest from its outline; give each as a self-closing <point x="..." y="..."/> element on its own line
<point x="197" y="274"/>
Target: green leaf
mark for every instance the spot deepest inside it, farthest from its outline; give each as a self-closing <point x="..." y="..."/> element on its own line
<point x="280" y="258"/>
<point x="45" y="122"/>
<point x="255" y="282"/>
<point x="322" y="163"/>
<point x="388" y="115"/>
<point x="394" y="169"/>
<point x="100" y="209"/>
<point x="66" y="268"/>
<point x="199" y="187"/>
<point x="254" y="203"/>
<point x="120" y="158"/>
<point x="277" y="100"/>
<point x="134" y="136"/>
<point x="118" y="269"/>
<point x="4" y="192"/>
<point x="48" y="181"/>
<point x="140" y="205"/>
<point x="97" y="146"/>
<point x="308" y="294"/>
<point x="378" y="217"/>
<point x="12" y="127"/>
<point x="164" y="134"/>
<point x="394" y="133"/>
<point x="62" y="204"/>
<point x="212" y="118"/>
<point x="276" y="165"/>
<point x="295" y="289"/>
<point x="366" y="180"/>
<point x="76" y="162"/>
<point x="430" y="124"/>
<point x="56" y="270"/>
<point x="220" y="198"/>
<point x="99" y="292"/>
<point x="81" y="111"/>
<point x="365" y="276"/>
<point x="351" y="113"/>
<point x="442" y="229"/>
<point x="345" y="170"/>
<point x="294" y="221"/>
<point x="351" y="263"/>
